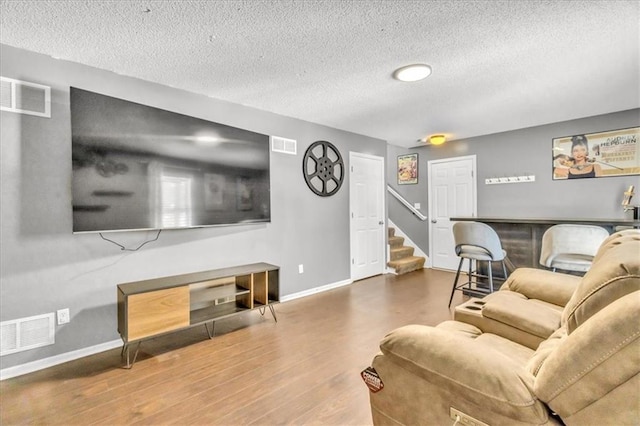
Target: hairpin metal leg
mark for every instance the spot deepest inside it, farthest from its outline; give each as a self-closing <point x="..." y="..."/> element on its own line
<point x="213" y="329"/>
<point x="273" y="312"/>
<point x="125" y="349"/>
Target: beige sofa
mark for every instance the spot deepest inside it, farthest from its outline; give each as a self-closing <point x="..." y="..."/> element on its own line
<point x="551" y="349"/>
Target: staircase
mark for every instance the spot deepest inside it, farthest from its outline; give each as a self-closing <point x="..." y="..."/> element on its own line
<point x="401" y="257"/>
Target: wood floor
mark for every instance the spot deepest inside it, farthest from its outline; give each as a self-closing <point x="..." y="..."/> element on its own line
<point x="304" y="369"/>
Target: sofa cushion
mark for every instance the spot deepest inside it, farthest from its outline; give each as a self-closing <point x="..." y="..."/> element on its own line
<point x="615" y="274"/>
<point x="517" y="311"/>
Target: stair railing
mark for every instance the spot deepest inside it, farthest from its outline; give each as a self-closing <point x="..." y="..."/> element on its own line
<point x="407" y="204"/>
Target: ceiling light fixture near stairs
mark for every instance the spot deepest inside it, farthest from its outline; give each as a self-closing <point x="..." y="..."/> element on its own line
<point x="437" y="139"/>
<point x="414" y="72"/>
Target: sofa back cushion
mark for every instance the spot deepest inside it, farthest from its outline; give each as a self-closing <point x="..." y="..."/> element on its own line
<point x="615" y="274"/>
<point x="616" y="239"/>
<point x="591" y="376"/>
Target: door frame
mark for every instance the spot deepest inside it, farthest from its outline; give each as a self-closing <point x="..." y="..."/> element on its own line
<point x="474" y="201"/>
<point x="383" y="212"/>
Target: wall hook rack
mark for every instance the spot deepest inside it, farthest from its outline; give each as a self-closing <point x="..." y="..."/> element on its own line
<point x="510" y="179"/>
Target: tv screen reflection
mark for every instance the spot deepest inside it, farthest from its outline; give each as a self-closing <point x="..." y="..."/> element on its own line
<point x="138" y="167"/>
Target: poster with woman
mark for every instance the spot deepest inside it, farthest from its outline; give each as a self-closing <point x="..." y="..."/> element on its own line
<point x="611" y="153"/>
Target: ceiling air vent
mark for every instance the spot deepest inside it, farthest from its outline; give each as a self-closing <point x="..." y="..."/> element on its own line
<point x="25" y="98"/>
<point x="283" y="145"/>
<point x="27" y="333"/>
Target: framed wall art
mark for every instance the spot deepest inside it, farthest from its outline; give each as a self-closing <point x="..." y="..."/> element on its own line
<point x="603" y="154"/>
<point x="408" y="169"/>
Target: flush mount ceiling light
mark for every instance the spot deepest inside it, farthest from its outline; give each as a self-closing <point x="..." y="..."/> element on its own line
<point x="415" y="72"/>
<point x="437" y="139"/>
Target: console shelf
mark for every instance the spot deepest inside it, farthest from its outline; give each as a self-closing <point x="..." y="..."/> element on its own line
<point x="150" y="308"/>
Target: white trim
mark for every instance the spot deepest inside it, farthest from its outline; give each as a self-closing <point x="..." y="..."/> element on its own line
<point x="315" y="290"/>
<point x="41" y="364"/>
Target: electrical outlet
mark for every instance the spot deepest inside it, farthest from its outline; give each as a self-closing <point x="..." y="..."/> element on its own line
<point x="301" y="268"/>
<point x="63" y="316"/>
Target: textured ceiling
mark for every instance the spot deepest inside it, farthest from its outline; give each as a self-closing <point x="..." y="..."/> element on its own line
<point x="497" y="65"/>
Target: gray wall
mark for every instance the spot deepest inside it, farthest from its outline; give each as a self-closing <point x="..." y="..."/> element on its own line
<point x="44" y="267"/>
<point x="519" y="152"/>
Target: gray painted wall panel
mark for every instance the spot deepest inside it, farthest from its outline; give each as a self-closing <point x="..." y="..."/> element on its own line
<point x="44" y="267"/>
<point x="520" y="152"/>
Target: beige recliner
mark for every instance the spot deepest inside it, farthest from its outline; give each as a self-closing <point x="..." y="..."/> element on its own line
<point x="585" y="372"/>
<point x="530" y="305"/>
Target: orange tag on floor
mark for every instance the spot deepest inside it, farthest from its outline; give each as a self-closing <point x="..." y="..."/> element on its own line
<point x="371" y="379"/>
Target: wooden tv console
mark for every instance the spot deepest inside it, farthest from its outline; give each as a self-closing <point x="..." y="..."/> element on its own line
<point x="157" y="306"/>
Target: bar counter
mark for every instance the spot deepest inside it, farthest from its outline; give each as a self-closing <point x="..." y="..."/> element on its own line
<point x="522" y="237"/>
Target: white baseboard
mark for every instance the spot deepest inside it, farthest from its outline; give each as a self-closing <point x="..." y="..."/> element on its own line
<point x="41" y="364"/>
<point x="315" y="290"/>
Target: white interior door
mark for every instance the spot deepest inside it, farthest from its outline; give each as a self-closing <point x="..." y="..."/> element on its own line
<point x="366" y="198"/>
<point x="452" y="192"/>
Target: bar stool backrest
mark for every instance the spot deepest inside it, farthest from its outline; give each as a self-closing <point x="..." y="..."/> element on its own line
<point x="571" y="239"/>
<point x="479" y="235"/>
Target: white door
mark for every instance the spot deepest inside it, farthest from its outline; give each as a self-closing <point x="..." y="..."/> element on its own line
<point x="366" y="198"/>
<point x="452" y="193"/>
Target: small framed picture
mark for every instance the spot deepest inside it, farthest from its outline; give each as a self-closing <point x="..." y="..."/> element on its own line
<point x="408" y="169"/>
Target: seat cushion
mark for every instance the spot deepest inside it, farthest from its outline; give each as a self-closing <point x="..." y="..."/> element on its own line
<point x="473" y="252"/>
<point x="518" y="312"/>
<point x="486" y="371"/>
<point x="540" y="284"/>
<point x="572" y="262"/>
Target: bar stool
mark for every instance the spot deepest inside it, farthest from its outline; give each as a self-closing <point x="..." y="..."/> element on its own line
<point x="571" y="247"/>
<point x="477" y="241"/>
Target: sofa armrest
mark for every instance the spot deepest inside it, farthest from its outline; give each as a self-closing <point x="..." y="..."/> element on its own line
<point x="551" y="287"/>
<point x="458" y="365"/>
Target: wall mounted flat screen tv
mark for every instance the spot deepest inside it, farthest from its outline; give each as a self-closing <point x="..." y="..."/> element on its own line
<point x="136" y="167"/>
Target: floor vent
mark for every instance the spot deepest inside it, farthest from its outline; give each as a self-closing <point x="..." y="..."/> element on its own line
<point x="27" y="333"/>
<point x="25" y="98"/>
<point x="283" y="145"/>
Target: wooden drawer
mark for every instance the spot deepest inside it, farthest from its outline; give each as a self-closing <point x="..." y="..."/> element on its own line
<point x="157" y="312"/>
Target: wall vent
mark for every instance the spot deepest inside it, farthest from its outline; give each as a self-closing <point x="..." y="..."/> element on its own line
<point x="283" y="145"/>
<point x="25" y="98"/>
<point x="27" y="333"/>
